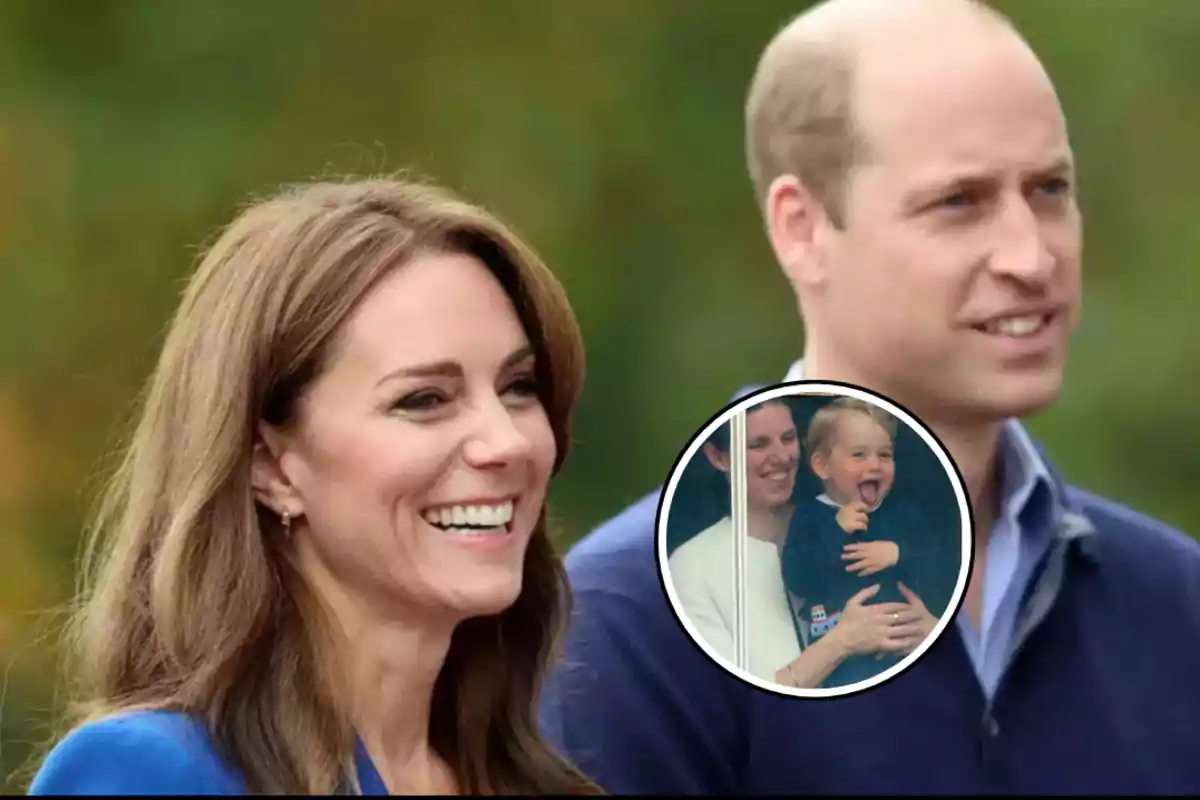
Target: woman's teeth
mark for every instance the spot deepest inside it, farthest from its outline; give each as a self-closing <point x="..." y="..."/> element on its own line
<point x="470" y="518"/>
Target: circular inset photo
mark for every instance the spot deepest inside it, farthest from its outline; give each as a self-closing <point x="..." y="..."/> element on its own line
<point x="814" y="539"/>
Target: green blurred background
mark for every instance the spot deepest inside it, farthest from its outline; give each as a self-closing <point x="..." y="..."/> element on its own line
<point x="609" y="134"/>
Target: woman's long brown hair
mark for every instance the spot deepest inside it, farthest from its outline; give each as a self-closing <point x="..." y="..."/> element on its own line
<point x="190" y="602"/>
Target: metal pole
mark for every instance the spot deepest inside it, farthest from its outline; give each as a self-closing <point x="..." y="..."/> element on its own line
<point x="738" y="508"/>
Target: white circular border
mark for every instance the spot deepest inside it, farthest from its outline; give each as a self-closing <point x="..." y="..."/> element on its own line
<point x="801" y="388"/>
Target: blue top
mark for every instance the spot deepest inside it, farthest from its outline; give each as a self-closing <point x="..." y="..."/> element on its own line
<point x="151" y="752"/>
<point x="813" y="569"/>
<point x="1096" y="692"/>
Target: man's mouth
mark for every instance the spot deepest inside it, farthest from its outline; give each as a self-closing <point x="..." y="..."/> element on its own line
<point x="1017" y="327"/>
<point x="869" y="491"/>
<point x="472" y="519"/>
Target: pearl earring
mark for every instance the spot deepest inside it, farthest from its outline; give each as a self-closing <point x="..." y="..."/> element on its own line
<point x="285" y="517"/>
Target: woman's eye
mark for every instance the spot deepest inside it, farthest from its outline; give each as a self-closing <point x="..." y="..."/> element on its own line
<point x="526" y="386"/>
<point x="424" y="400"/>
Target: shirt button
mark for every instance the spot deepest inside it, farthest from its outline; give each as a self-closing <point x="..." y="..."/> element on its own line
<point x="991" y="728"/>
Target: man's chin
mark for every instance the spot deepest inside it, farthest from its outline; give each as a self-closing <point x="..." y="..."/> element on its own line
<point x="1008" y="396"/>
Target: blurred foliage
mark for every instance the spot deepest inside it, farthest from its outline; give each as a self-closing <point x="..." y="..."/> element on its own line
<point x="609" y="134"/>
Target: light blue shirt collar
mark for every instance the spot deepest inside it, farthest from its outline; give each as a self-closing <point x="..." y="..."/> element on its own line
<point x="1026" y="475"/>
<point x="1034" y="512"/>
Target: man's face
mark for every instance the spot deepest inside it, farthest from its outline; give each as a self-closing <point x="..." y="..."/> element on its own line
<point x="956" y="278"/>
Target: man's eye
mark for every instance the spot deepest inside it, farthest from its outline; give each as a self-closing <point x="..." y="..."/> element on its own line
<point x="958" y="200"/>
<point x="1055" y="186"/>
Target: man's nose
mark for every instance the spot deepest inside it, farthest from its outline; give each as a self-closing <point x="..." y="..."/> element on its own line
<point x="1021" y="251"/>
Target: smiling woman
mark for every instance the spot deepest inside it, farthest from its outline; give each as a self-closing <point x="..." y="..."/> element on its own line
<point x="323" y="564"/>
<point x="700" y="569"/>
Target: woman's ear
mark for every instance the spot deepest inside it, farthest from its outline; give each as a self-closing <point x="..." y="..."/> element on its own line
<point x="717" y="457"/>
<point x="272" y="486"/>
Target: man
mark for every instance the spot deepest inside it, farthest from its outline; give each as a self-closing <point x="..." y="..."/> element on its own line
<point x="917" y="183"/>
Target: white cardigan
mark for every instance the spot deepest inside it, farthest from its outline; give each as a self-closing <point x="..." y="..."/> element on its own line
<point x="701" y="573"/>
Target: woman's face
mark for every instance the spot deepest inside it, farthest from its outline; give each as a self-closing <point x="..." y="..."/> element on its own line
<point x="421" y="457"/>
<point x="772" y="456"/>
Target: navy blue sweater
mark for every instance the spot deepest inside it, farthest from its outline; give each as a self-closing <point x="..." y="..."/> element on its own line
<point x="813" y="569"/>
<point x="1103" y="696"/>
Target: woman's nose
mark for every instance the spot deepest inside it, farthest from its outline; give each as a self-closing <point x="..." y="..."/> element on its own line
<point x="496" y="439"/>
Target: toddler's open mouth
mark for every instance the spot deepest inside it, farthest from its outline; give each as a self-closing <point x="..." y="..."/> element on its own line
<point x="869" y="491"/>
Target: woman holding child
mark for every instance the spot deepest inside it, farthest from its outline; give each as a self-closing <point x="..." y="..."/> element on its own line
<point x="700" y="571"/>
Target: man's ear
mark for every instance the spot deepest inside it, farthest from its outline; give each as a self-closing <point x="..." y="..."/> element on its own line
<point x="272" y="486"/>
<point x="717" y="457"/>
<point x="798" y="228"/>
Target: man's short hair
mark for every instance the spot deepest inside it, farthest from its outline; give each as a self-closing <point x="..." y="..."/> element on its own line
<point x="800" y="112"/>
<point x="799" y="119"/>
